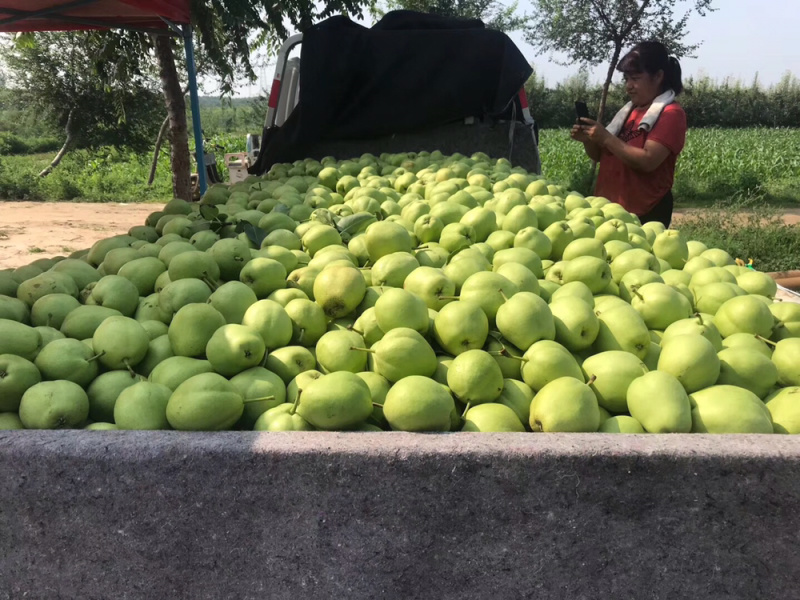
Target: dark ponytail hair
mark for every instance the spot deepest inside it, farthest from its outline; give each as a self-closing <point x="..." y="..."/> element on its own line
<point x="652" y="57"/>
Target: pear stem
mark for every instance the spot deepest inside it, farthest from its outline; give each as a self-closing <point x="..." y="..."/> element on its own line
<point x="466" y="409"/>
<point x="362" y="349"/>
<point x="95" y="357"/>
<point x="296" y="402"/>
<point x="262" y="399"/>
<point x="352" y="328"/>
<point x="699" y="317"/>
<point x="765" y="340"/>
<point x="503" y="294"/>
<point x="443" y="297"/>
<point x="376" y="405"/>
<point x="592" y="379"/>
<point x="129" y="367"/>
<point x="635" y="292"/>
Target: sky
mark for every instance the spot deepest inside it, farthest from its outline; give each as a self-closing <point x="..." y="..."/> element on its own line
<point x="742" y="38"/>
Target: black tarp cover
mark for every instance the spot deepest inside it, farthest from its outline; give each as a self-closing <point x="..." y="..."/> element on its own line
<point x="410" y="71"/>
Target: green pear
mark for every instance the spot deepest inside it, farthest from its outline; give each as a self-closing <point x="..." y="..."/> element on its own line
<point x="400" y="308"/>
<point x="120" y="343"/>
<point x="629" y="260"/>
<point x="82" y="322"/>
<point x="393" y="269"/>
<point x="461" y="326"/>
<point x="367" y="326"/>
<point x="69" y="360"/>
<point x="282" y="418"/>
<point x="432" y="255"/>
<point x="474" y="377"/>
<point x="417" y="403"/>
<point x="10" y="421"/>
<point x="337" y="401"/>
<point x="482" y="220"/>
<point x="576" y="325"/>
<point x="263" y="276"/>
<point x="319" y="237"/>
<point x="104" y="391"/>
<point x="610" y="374"/>
<point x="659" y="402"/>
<point x="283" y="297"/>
<point x="153" y="328"/>
<point x="671" y="247"/>
<point x="787" y="315"/>
<point x="525" y="319"/>
<point x="691" y="359"/>
<point x="386" y="237"/>
<point x="546" y="361"/>
<point x="148" y="310"/>
<point x="271" y="321"/>
<point x="54" y="405"/>
<point x="585" y="247"/>
<point x="744" y="314"/>
<point x="308" y="322"/>
<point x="443" y="362"/>
<point x="16" y="376"/>
<point x="492" y="418"/>
<point x="52" y="282"/>
<point x="784" y="407"/>
<point x="621" y="424"/>
<point x="749" y="341"/>
<point x="576" y="289"/>
<point x="341" y="351"/>
<point x="288" y="362"/>
<point x="635" y="279"/>
<point x="457" y="236"/>
<point x="158" y="350"/>
<point x="660" y="305"/>
<point x="674" y="277"/>
<point x="754" y="282"/>
<point x="565" y="404"/>
<point x="431" y="285"/>
<point x="232" y="299"/>
<point x="728" y="409"/>
<point x="710" y="297"/>
<point x="718" y="257"/>
<point x="339" y="290"/>
<point x="234" y="348"/>
<point x="303" y="278"/>
<point x="747" y="369"/>
<point x="700" y="324"/>
<point x="591" y="270"/>
<point x="488" y="290"/>
<point x="400" y="353"/>
<point x="613" y="229"/>
<point x="14" y="310"/>
<point x="518" y="397"/>
<point x="711" y="275"/>
<point x="785" y="356"/>
<point x="192" y="327"/>
<point x="114" y="291"/>
<point x="519" y="275"/>
<point x="621" y="328"/>
<point x="19" y="339"/>
<point x="142" y="406"/>
<point x="534" y="239"/>
<point x="378" y="389"/>
<point x="299" y="383"/>
<point x="81" y="272"/>
<point x="51" y="310"/>
<point x="178" y="294"/>
<point x="560" y="236"/>
<point x="523" y="256"/>
<point x="231" y="255"/>
<point x="173" y="371"/>
<point x="205" y="402"/>
<point x="518" y="218"/>
<point x="261" y="390"/>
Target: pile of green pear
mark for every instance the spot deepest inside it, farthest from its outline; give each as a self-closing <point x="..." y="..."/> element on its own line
<point x="407" y="292"/>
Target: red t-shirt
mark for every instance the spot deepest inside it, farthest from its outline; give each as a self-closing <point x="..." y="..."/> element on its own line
<point x="635" y="190"/>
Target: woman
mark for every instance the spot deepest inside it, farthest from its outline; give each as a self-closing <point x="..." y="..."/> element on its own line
<point x="638" y="150"/>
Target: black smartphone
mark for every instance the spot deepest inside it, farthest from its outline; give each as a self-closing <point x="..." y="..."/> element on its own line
<point x="581" y="109"/>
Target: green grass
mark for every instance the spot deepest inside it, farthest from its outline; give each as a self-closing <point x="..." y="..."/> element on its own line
<point x="715" y="165"/>
<point x="757" y="232"/>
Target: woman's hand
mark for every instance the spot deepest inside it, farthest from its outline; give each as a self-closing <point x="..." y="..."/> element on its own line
<point x="577" y="133"/>
<point x="593" y="131"/>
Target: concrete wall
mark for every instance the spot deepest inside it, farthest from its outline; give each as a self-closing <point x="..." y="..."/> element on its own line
<point x="117" y="515"/>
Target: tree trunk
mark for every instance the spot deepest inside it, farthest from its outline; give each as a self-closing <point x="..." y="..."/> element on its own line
<point x="176" y="111"/>
<point x="604" y="96"/>
<point x="161" y="132"/>
<point x="64" y="149"/>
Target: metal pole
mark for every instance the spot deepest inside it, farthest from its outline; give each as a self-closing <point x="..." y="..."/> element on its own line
<point x="195" y="103"/>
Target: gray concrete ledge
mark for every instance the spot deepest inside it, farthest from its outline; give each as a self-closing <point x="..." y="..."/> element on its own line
<point x="318" y="515"/>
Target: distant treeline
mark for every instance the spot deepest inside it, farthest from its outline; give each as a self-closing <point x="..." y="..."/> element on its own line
<point x="708" y="103"/>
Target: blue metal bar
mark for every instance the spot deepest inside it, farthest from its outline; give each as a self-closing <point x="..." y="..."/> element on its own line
<point x="199" y="150"/>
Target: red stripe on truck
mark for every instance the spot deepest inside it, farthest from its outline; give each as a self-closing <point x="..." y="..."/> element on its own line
<point x="523" y="98"/>
<point x="274" y="93"/>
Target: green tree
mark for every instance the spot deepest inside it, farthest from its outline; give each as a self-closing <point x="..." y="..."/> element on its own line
<point x="57" y="75"/>
<point x="494" y="14"/>
<point x="591" y="32"/>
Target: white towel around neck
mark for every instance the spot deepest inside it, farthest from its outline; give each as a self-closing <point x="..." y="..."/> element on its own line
<point x="650" y="117"/>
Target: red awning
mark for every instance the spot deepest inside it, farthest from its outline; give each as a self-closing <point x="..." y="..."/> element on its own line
<point x="64" y="15"/>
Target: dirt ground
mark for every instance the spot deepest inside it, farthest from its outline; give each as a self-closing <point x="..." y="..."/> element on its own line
<point x="31" y="230"/>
